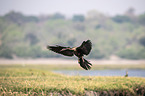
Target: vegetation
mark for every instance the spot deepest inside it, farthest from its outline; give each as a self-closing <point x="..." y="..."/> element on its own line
<point x="27" y="36"/>
<point x="32" y="80"/>
<point x="51" y="67"/>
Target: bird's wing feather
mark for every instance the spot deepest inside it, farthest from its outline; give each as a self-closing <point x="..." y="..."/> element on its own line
<point x="86" y="47"/>
<point x="61" y="50"/>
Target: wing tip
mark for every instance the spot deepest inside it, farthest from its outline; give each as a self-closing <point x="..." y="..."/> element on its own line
<point x="48" y="47"/>
<point x="89" y="41"/>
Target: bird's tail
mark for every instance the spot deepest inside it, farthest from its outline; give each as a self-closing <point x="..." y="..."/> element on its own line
<point x="84" y="63"/>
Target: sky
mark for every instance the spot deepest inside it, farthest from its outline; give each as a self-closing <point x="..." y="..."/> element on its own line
<point x="70" y="7"/>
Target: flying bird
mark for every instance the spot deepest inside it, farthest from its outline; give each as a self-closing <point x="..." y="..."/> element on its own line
<point x="83" y="49"/>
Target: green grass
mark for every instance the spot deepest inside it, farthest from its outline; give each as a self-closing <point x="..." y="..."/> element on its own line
<point x="36" y="80"/>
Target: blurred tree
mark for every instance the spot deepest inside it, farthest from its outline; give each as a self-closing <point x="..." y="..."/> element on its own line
<point x="32" y="38"/>
<point x="128" y="53"/>
<point x="5" y="52"/>
<point x="97" y="54"/>
<point x="95" y="15"/>
<point x="71" y="42"/>
<point x="14" y="17"/>
<point x="79" y="18"/>
<point x="31" y="19"/>
<point x="121" y="19"/>
<point x="58" y="16"/>
<point x="98" y="26"/>
<point x="121" y="37"/>
<point x="141" y="19"/>
<point x="142" y="41"/>
<point x="19" y="18"/>
<point x="79" y="26"/>
<point x="130" y="12"/>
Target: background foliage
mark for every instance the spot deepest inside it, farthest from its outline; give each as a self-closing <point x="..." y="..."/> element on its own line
<point x="27" y="36"/>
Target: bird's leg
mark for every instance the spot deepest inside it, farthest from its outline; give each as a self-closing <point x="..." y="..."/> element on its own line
<point x="82" y="58"/>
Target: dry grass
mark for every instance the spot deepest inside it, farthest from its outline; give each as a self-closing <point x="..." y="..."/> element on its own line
<point x="34" y="81"/>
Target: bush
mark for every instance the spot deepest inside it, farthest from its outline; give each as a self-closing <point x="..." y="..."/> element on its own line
<point x="5" y="52"/>
<point x="132" y="53"/>
<point x="142" y="41"/>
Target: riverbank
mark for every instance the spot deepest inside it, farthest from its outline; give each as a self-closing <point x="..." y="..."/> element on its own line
<point x="31" y="81"/>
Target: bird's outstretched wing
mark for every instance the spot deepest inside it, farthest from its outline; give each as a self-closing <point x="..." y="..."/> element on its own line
<point x="86" y="47"/>
<point x="84" y="63"/>
<point x="61" y="50"/>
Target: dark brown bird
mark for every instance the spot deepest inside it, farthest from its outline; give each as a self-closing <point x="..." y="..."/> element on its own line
<point x="80" y="51"/>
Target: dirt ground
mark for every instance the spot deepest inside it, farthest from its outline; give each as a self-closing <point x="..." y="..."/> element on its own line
<point x="67" y="61"/>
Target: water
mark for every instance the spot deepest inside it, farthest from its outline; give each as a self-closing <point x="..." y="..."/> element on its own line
<point x="131" y="73"/>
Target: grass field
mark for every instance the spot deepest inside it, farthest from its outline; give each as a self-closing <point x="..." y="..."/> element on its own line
<point x="39" y="80"/>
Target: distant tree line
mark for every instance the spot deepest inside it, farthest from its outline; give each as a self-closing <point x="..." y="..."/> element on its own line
<point x="27" y="36"/>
